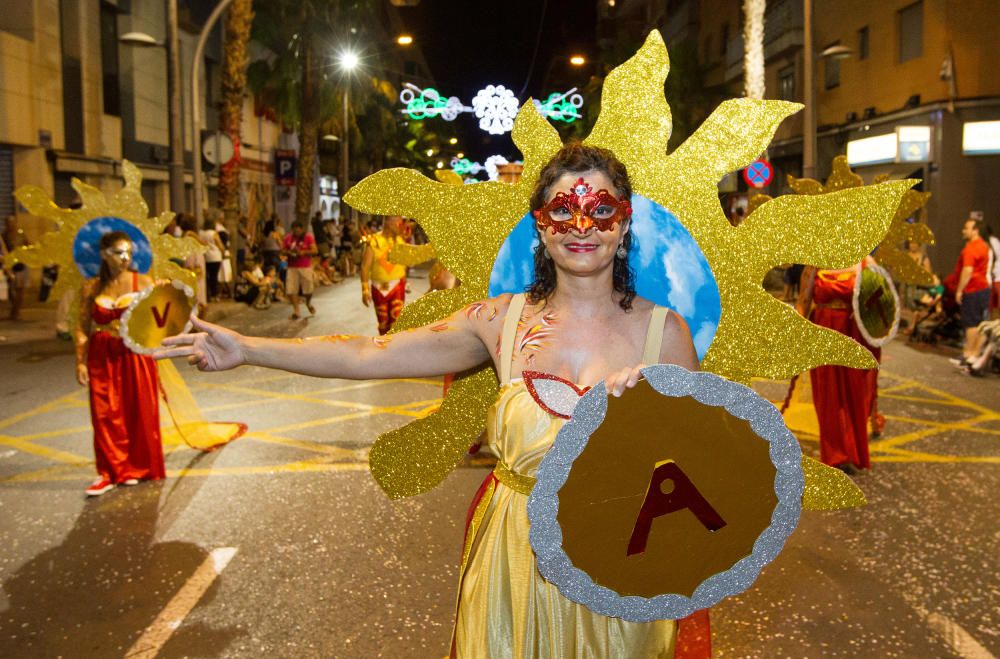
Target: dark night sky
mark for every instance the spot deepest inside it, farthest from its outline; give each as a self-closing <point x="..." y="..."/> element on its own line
<point x="472" y="43"/>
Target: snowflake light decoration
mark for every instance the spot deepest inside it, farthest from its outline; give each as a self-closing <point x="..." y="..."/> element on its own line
<point x="496" y="106"/>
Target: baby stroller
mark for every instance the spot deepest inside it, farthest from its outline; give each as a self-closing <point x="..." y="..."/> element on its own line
<point x="939" y="318"/>
<point x="988" y="357"/>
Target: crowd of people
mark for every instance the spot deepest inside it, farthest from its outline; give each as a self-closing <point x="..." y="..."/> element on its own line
<point x="270" y="264"/>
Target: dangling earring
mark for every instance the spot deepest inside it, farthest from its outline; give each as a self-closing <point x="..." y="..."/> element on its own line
<point x="621" y="253"/>
<point x="545" y="252"/>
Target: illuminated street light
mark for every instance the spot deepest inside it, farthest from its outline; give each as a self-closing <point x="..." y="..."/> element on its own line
<point x="348" y="61"/>
<point x="459" y="155"/>
<point x="440" y="164"/>
<point x="453" y="140"/>
<point x="404" y="40"/>
<point x="577" y="60"/>
<point x="429" y="152"/>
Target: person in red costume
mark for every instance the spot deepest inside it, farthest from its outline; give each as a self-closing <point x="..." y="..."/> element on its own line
<point x="123" y="385"/>
<point x="843" y="397"/>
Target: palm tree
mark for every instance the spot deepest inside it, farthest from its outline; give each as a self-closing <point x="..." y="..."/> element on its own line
<point x="297" y="80"/>
<point x="236" y="34"/>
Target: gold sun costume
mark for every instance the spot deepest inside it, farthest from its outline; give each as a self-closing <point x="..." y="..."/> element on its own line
<point x="506" y="608"/>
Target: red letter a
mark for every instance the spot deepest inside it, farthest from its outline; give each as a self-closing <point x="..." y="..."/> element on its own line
<point x="683" y="495"/>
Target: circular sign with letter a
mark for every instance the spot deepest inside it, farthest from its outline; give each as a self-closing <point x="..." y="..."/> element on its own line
<point x="666" y="500"/>
<point x="157" y="312"/>
<point x="758" y="173"/>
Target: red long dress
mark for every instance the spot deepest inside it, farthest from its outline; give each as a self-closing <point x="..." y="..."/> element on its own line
<point x="124" y="405"/>
<point x="842" y="396"/>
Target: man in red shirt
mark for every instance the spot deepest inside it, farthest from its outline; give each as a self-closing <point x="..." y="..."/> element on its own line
<point x="973" y="289"/>
<point x="299" y="247"/>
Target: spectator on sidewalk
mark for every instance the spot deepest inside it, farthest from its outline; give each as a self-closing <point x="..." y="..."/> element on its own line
<point x="196" y="262"/>
<point x="213" y="257"/>
<point x="972" y="290"/>
<point x="17" y="273"/>
<point x="299" y="247"/>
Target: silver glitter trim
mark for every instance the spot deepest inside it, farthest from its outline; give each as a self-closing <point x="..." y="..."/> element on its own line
<point x="674" y="381"/>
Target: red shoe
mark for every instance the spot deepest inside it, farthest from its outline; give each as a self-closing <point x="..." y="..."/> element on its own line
<point x="99" y="487"/>
<point x="878" y="425"/>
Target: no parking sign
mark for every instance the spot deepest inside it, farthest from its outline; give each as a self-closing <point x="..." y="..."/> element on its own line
<point x="758" y="174"/>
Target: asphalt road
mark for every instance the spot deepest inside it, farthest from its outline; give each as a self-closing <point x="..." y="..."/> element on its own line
<point x="280" y="544"/>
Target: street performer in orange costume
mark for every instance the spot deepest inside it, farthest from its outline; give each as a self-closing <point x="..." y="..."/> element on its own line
<point x="124" y="385"/>
<point x="843" y="397"/>
<point x="382" y="281"/>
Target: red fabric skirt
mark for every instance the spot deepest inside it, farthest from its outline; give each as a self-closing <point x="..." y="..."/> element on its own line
<point x="125" y="411"/>
<point x="843" y="398"/>
<point x="388" y="305"/>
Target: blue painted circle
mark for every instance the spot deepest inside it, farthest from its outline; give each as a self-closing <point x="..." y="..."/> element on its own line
<point x="670" y="268"/>
<point x="87" y="245"/>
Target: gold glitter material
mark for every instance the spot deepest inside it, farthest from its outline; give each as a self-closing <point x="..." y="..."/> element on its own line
<point x="904" y="269"/>
<point x="411" y="255"/>
<point x="415" y="458"/>
<point x="56" y="246"/>
<point x="828" y="488"/>
<point x="518" y="482"/>
<point x="449" y="176"/>
<point x="757" y="335"/>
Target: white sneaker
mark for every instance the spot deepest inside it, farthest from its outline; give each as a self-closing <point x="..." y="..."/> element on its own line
<point x="130" y="481"/>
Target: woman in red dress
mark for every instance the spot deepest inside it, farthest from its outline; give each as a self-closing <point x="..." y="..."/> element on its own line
<point x="843" y="396"/>
<point x="124" y="386"/>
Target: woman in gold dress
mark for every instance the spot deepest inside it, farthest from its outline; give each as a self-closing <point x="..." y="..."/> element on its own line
<point x="581" y="321"/>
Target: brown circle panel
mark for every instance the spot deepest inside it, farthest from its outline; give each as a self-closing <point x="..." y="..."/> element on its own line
<point x="682" y="466"/>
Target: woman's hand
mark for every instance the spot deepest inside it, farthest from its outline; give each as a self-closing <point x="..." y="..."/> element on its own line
<point x="212" y="348"/>
<point x="617" y="383"/>
<point x="82" y="375"/>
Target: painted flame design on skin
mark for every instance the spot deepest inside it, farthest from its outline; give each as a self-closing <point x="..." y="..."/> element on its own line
<point x="333" y="338"/>
<point x="539" y="334"/>
<point x="381" y="342"/>
<point x="440" y="327"/>
<point x="477" y="309"/>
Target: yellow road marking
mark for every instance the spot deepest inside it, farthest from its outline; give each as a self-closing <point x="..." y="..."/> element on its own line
<point x="39" y="450"/>
<point x="65" y="401"/>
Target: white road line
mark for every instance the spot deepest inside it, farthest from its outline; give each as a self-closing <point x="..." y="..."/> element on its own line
<point x="173" y="614"/>
<point x="961" y="641"/>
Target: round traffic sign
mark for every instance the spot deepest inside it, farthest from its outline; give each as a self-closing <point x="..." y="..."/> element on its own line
<point x="758" y="174"/>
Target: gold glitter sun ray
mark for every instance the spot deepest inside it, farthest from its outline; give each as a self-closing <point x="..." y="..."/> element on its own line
<point x="56" y="246"/>
<point x="633" y="96"/>
<point x="888" y="253"/>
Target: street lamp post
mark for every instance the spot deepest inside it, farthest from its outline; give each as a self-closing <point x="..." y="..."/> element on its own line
<point x="808" y="79"/>
<point x="175" y="131"/>
<point x="196" y="105"/>
<point x="176" y="136"/>
<point x="348" y="62"/>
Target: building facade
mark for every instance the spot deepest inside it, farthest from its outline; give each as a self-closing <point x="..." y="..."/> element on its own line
<point x="75" y="101"/>
<point x="916" y="76"/>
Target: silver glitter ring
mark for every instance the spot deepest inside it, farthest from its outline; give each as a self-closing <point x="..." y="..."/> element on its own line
<point x="673" y="381"/>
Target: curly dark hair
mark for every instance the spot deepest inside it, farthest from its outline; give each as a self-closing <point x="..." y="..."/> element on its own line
<point x="577" y="158"/>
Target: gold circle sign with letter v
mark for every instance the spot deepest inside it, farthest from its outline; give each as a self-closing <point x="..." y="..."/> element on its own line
<point x="668" y="497"/>
<point x="157" y="312"/>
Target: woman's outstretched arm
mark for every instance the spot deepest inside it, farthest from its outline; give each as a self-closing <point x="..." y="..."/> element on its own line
<point x="452" y="345"/>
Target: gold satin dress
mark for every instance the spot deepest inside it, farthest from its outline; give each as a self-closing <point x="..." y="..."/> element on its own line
<point x="505" y="607"/>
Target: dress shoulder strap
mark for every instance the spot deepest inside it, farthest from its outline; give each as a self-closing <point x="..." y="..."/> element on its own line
<point x="135" y="281"/>
<point x="508" y="335"/>
<point x="654" y="335"/>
